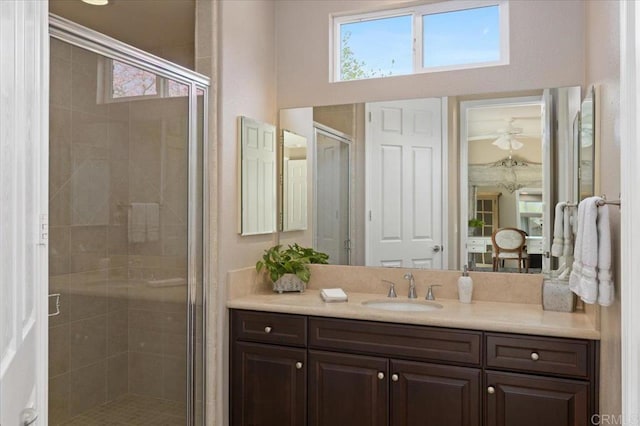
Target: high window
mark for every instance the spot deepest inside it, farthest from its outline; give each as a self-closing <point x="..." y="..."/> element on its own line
<point x="435" y="37"/>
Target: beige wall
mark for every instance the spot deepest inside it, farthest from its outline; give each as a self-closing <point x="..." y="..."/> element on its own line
<point x="164" y="28"/>
<point x="547" y="50"/>
<point x="235" y="45"/>
<point x="603" y="70"/>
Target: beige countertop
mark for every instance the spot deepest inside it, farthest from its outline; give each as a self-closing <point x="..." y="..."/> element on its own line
<point x="479" y="315"/>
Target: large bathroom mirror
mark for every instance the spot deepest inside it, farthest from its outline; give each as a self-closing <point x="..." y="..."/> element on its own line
<point x="294" y="181"/>
<point x="587" y="145"/>
<point x="257" y="173"/>
<point x="412" y="178"/>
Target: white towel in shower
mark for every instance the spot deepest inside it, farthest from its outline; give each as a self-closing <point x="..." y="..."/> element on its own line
<point x="137" y="222"/>
<point x="591" y="275"/>
<point x="153" y="221"/>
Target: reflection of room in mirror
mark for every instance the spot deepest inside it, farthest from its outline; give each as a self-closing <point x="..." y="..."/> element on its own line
<point x="294" y="182"/>
<point x="498" y="173"/>
<point x="504" y="155"/>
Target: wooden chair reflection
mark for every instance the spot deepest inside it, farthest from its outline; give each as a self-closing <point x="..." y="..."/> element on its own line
<point x="509" y="244"/>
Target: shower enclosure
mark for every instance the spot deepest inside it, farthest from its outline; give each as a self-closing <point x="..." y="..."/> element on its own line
<point x="127" y="217"/>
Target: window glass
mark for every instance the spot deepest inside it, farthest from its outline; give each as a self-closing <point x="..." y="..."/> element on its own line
<point x="130" y="81"/>
<point x="376" y="48"/>
<point x="461" y="37"/>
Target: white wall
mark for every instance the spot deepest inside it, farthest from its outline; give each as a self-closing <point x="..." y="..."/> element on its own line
<point x="547" y="50"/>
<point x="603" y="70"/>
<point x="247" y="86"/>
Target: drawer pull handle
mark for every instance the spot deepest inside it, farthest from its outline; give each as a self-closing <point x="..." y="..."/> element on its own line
<point x="267" y="329"/>
<point x="380" y="375"/>
<point x="491" y="390"/>
<point x="298" y="365"/>
<point x="394" y="377"/>
<point x="535" y="356"/>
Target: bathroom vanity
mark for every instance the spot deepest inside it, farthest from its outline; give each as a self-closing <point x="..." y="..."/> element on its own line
<point x="348" y="365"/>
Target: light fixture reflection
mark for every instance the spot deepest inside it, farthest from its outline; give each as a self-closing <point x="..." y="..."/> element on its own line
<point x="97" y="2"/>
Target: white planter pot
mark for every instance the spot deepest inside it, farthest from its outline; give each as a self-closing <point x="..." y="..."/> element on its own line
<point x="289" y="282"/>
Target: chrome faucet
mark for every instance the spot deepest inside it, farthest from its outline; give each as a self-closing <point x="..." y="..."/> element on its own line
<point x="392" y="288"/>
<point x="430" y="295"/>
<point x="412" y="285"/>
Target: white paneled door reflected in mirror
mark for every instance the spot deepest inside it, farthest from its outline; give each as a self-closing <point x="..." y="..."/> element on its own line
<point x="294" y="163"/>
<point x="258" y="202"/>
<point x="502" y="164"/>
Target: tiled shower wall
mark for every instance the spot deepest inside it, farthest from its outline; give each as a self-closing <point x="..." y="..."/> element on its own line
<point x="121" y="329"/>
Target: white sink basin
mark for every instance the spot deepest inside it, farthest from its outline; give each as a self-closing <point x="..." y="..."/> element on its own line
<point x="402" y="305"/>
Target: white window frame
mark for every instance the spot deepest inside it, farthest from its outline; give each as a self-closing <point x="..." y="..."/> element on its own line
<point x="417" y="12"/>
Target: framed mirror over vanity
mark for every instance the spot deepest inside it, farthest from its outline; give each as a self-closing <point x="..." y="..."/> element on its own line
<point x="420" y="169"/>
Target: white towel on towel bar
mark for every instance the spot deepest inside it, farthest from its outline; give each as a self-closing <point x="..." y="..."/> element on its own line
<point x="137" y="222"/>
<point x="153" y="221"/>
<point x="591" y="275"/>
<point x="557" y="248"/>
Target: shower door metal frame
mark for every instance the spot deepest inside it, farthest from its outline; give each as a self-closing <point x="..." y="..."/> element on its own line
<point x="101" y="44"/>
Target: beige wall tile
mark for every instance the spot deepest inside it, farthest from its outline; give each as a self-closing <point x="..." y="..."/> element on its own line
<point x="60" y="83"/>
<point x="117" y="376"/>
<point x="60" y="206"/>
<point x="117" y="332"/>
<point x="174" y="379"/>
<point x="87" y="302"/>
<point x="59" y="350"/>
<point x="88" y="387"/>
<point x="88" y="341"/>
<point x="59" y="392"/>
<point x="88" y="248"/>
<point x="145" y="374"/>
<point x="145" y="341"/>
<point x="59" y="250"/>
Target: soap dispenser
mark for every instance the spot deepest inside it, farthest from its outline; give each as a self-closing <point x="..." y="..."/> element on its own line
<point x="465" y="287"/>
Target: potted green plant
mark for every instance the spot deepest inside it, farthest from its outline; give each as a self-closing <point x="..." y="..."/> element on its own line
<point x="289" y="268"/>
<point x="475" y="225"/>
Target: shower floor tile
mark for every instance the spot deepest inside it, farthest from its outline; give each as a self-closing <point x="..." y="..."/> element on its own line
<point x="130" y="410"/>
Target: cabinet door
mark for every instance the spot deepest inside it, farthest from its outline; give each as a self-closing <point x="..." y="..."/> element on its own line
<point x="347" y="390"/>
<point x="524" y="400"/>
<point x="434" y="395"/>
<point x="268" y="385"/>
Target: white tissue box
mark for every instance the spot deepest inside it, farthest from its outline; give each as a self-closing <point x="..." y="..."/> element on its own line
<point x="333" y="295"/>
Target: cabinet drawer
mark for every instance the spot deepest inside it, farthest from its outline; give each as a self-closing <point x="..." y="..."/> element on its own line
<point x="269" y="327"/>
<point x="403" y="341"/>
<point x="565" y="357"/>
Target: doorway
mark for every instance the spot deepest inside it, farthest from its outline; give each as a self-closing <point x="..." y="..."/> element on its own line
<point x="332" y="194"/>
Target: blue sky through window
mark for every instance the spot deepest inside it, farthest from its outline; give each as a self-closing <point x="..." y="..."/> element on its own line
<point x="461" y="37"/>
<point x="384" y="45"/>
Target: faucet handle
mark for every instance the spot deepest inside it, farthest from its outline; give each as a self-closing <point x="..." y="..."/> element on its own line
<point x="430" y="295"/>
<point x="408" y="276"/>
<point x="392" y="288"/>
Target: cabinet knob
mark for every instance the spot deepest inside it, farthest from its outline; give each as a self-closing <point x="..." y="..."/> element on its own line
<point x="394" y="377"/>
<point x="298" y="365"/>
<point x="380" y="375"/>
<point x="491" y="390"/>
<point x="267" y="329"/>
<point x="535" y="356"/>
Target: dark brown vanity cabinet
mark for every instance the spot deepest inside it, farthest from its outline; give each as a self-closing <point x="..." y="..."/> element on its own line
<point x="268" y="369"/>
<point x="545" y="380"/>
<point x="298" y="370"/>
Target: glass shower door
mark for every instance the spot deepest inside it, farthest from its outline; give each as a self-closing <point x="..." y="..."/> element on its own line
<point x="126" y="216"/>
